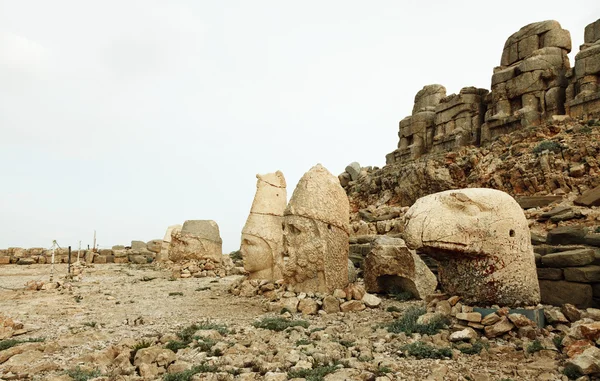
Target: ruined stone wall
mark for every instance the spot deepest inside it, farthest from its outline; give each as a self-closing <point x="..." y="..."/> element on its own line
<point x="533" y="84"/>
<point x="583" y="93"/>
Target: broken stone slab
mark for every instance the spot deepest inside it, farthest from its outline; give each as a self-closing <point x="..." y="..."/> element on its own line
<point x="592" y="239"/>
<point x="549" y="273"/>
<point x="587" y="362"/>
<point x="571" y="258"/>
<point x="392" y="267"/>
<point x="566" y="235"/>
<point x="555" y="211"/>
<point x="353" y="169"/>
<point x="197" y="239"/>
<point x="559" y="292"/>
<point x="589" y="198"/>
<point x="502" y="326"/>
<point x="587" y="274"/>
<point x="528" y="202"/>
<point x="489" y="315"/>
<point x="537" y="239"/>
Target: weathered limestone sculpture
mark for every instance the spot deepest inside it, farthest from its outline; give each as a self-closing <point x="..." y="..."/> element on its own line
<point x="392" y="267"/>
<point x="197" y="239"/>
<point x="166" y="243"/>
<point x="262" y="236"/>
<point x="583" y="93"/>
<point x="529" y="85"/>
<point x="316" y="234"/>
<point x="482" y="242"/>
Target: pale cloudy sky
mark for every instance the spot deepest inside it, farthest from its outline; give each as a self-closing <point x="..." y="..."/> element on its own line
<point x="129" y="116"/>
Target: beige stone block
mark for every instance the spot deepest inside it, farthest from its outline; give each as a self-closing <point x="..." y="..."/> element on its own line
<point x="528" y="45"/>
<point x="558" y="37"/>
<point x="4" y="260"/>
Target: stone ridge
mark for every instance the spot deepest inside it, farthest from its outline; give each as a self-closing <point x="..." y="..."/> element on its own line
<point x="533" y="84"/>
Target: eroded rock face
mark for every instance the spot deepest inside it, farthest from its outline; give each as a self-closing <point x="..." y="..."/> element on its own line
<point x="482" y="242"/>
<point x="262" y="236"/>
<point x="316" y="234"/>
<point x="392" y="267"/>
<point x="197" y="239"/>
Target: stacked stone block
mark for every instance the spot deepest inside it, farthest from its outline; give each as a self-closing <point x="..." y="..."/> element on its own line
<point x="583" y="93"/>
<point x="529" y="85"/>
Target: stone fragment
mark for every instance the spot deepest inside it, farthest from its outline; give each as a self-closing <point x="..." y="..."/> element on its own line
<point x="138" y="246"/>
<point x="555" y="316"/>
<point x="520" y="321"/>
<point x="331" y="304"/>
<point x="308" y="306"/>
<point x="154" y="246"/>
<point x="316" y="234"/>
<point x="474" y="317"/>
<point x="528" y="202"/>
<point x="560" y="292"/>
<point x="587" y="274"/>
<point x="570" y="258"/>
<point x="371" y="300"/>
<point x="352" y="305"/>
<point x="566" y="235"/>
<point x="502" y="326"/>
<point x="466" y="334"/>
<point x="291" y="304"/>
<point x="589" y="198"/>
<point x="482" y="242"/>
<point x="353" y="169"/>
<point x="549" y="273"/>
<point x="490" y="319"/>
<point x="262" y="235"/>
<point x="197" y="240"/>
<point x="590" y="331"/>
<point x="391" y="267"/>
<point x="587" y="362"/>
<point x="570" y="312"/>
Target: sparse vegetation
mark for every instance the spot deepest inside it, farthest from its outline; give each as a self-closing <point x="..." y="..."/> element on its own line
<point x="347" y="343"/>
<point x="235" y="255"/>
<point x="79" y="374"/>
<point x="472" y="349"/>
<point x="421" y="350"/>
<point x="186" y="336"/>
<point x="140" y="345"/>
<point x="549" y="145"/>
<point x="393" y="309"/>
<point x="535" y="346"/>
<point x="408" y="323"/>
<point x="557" y="340"/>
<point x="147" y="278"/>
<point x="303" y="342"/>
<point x="572" y="372"/>
<point x="91" y="324"/>
<point x="188" y="374"/>
<point x="9" y="343"/>
<point x="402" y="296"/>
<point x="279" y="324"/>
<point x="177" y="293"/>
<point x="203" y="288"/>
<point x="315" y="374"/>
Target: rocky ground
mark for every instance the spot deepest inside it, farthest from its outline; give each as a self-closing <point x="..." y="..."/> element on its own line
<point x="133" y="322"/>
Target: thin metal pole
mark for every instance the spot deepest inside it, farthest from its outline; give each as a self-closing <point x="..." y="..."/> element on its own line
<point x="78" y="251"/>
<point x="94" y="247"/>
<point x="69" y="267"/>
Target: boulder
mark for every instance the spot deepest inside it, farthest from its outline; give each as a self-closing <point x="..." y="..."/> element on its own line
<point x="587" y="274"/>
<point x="589" y="198"/>
<point x="353" y="169"/>
<point x="482" y="242"/>
<point x="197" y="240"/>
<point x="392" y="267"/>
<point x="569" y="258"/>
<point x="154" y="246"/>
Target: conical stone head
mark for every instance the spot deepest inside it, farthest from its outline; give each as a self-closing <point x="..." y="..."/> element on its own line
<point x="316" y="234"/>
<point x="262" y="235"/>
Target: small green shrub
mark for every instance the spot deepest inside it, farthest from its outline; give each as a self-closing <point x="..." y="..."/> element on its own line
<point x="279" y="324"/>
<point x="235" y="255"/>
<point x="557" y="340"/>
<point x="303" y="342"/>
<point x="347" y="343"/>
<point x="586" y="130"/>
<point x="140" y="345"/>
<point x="204" y="345"/>
<point x="473" y="349"/>
<point x="382" y="371"/>
<point x="176" y="345"/>
<point x="315" y="374"/>
<point x="78" y="298"/>
<point x="549" y="145"/>
<point x="9" y="343"/>
<point x="78" y="374"/>
<point x="421" y="350"/>
<point x="535" y="346"/>
<point x="407" y="323"/>
<point x="572" y="372"/>
<point x="188" y="374"/>
<point x="402" y="296"/>
<point x="90" y="324"/>
<point x="393" y="309"/>
<point x="221" y="328"/>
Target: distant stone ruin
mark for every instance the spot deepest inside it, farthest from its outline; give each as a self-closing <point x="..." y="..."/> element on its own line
<point x="533" y="83"/>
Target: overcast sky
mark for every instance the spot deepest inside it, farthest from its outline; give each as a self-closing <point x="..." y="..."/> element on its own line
<point x="129" y="116"/>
